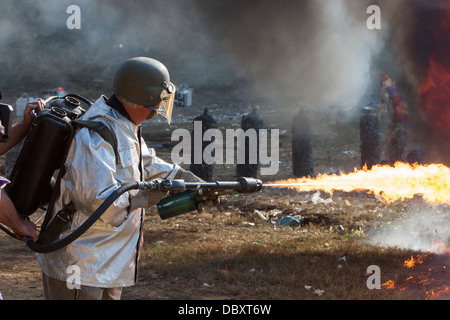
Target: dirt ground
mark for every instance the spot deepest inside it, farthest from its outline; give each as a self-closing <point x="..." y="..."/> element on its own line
<point x="336" y="147"/>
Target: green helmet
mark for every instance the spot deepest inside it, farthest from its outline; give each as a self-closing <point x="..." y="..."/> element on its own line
<point x="146" y="82"/>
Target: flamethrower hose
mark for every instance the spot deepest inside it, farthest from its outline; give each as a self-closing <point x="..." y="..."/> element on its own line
<point x="88" y="223"/>
<point x="243" y="185"/>
<point x="9" y="233"/>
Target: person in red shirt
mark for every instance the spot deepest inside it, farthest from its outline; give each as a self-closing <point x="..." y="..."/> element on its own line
<point x="397" y="134"/>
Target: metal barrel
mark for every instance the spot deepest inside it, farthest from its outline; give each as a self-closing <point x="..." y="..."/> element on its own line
<point x="302" y="146"/>
<point x="250" y="168"/>
<point x="203" y="170"/>
<point x="369" y="134"/>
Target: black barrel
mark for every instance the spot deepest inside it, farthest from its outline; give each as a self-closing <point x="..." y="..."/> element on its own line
<point x="204" y="170"/>
<point x="369" y="134"/>
<point x="302" y="146"/>
<point x="416" y="156"/>
<point x="254" y="121"/>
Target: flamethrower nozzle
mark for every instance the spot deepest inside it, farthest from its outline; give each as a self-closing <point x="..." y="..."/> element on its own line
<point x="249" y="185"/>
<point x="241" y="185"/>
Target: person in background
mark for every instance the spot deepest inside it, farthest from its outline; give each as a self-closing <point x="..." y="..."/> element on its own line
<point x="8" y="213"/>
<point x="393" y="102"/>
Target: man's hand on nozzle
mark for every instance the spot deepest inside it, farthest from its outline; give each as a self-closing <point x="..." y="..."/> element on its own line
<point x="188" y="176"/>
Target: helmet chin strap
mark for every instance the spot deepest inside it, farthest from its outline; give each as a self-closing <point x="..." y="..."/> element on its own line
<point x="152" y="114"/>
<point x="157" y="111"/>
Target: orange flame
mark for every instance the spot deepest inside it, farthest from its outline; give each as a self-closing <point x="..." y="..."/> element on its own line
<point x="434" y="92"/>
<point x="390" y="284"/>
<point x="434" y="89"/>
<point x="436" y="293"/>
<point x="413" y="262"/>
<point x="391" y="183"/>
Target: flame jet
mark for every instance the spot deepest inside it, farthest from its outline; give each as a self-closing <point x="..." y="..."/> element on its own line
<point x="390" y="183"/>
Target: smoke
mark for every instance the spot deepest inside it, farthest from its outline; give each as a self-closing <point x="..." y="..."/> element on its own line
<point x="422" y="229"/>
<point x="316" y="53"/>
<point x="313" y="52"/>
<point x="38" y="50"/>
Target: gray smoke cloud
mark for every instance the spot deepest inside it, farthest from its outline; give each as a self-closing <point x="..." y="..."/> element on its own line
<point x="37" y="48"/>
<point x="318" y="53"/>
<point x="312" y="51"/>
<point x="424" y="228"/>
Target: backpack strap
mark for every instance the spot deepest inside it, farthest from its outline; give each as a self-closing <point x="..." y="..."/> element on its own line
<point x="49" y="232"/>
<point x="103" y="131"/>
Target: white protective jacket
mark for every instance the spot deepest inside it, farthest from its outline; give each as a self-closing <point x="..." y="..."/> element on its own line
<point x="107" y="253"/>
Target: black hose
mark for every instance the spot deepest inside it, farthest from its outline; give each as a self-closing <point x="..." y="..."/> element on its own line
<point x="87" y="224"/>
<point x="9" y="233"/>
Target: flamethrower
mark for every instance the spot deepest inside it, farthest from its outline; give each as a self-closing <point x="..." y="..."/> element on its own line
<point x="185" y="197"/>
<point x="190" y="194"/>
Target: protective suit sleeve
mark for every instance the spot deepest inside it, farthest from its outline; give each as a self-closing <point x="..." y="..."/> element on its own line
<point x="156" y="168"/>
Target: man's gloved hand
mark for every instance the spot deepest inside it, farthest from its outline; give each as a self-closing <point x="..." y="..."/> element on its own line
<point x="188" y="176"/>
<point x="145" y="198"/>
<point x="208" y="203"/>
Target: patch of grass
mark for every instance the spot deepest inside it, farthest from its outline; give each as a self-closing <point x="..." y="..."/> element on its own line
<point x="210" y="257"/>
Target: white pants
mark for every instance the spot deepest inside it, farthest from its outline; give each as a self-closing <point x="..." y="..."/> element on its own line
<point x="58" y="290"/>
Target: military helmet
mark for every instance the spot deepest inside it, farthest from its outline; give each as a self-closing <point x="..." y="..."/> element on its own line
<point x="146" y="81"/>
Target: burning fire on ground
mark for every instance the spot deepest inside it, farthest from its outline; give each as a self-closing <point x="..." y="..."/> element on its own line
<point x="410" y="263"/>
<point x="391" y="183"/>
<point x="432" y="278"/>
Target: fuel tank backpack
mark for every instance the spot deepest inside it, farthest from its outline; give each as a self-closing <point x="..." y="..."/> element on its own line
<point x="37" y="173"/>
